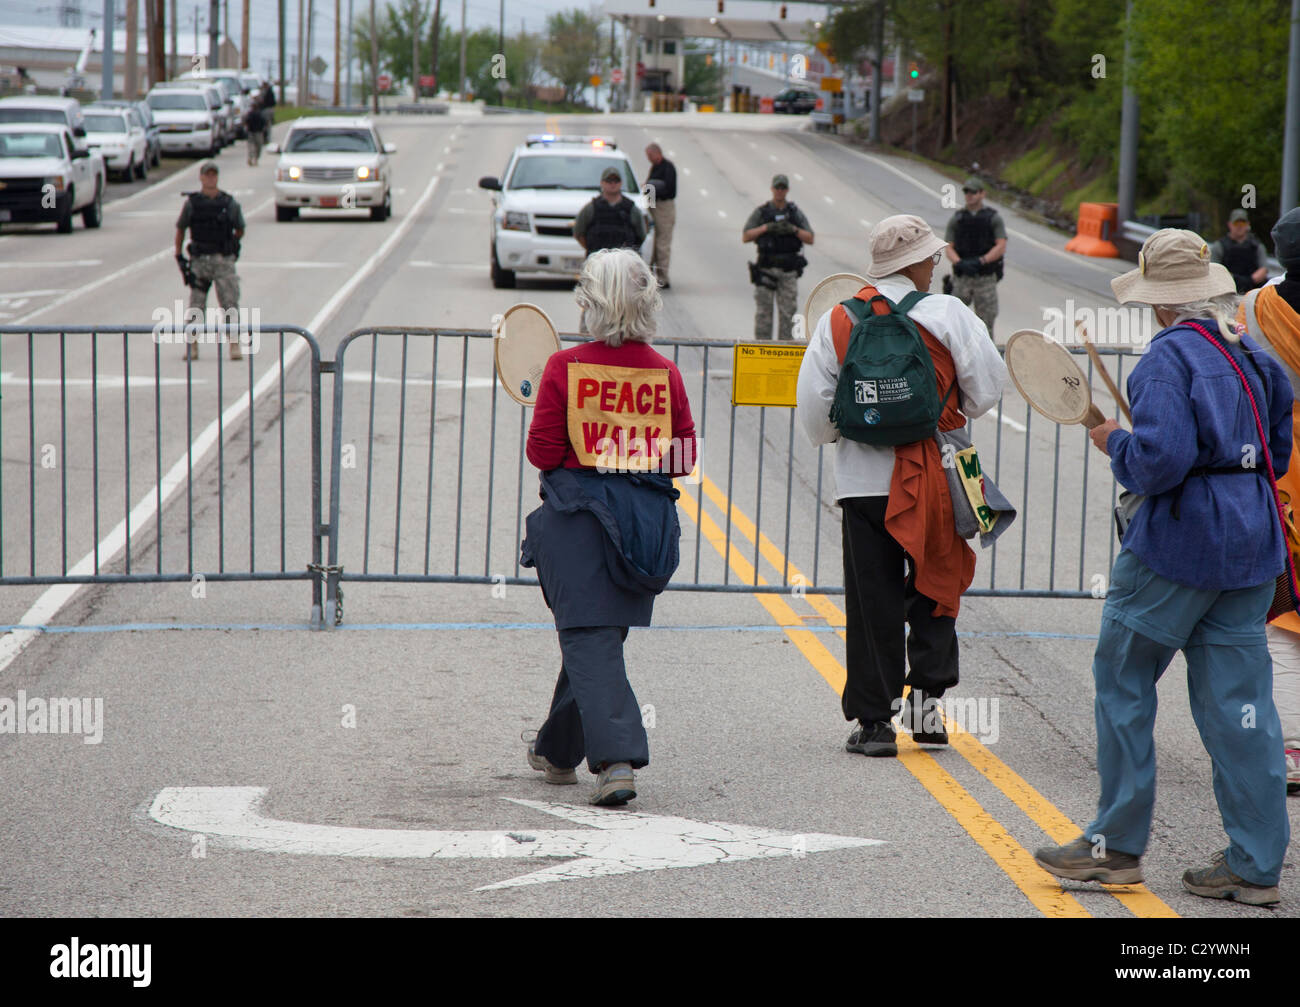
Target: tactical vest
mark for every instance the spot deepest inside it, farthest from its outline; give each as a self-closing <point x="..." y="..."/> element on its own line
<point x="1240" y="258"/>
<point x="974" y="237"/>
<point x="611" y="226"/>
<point x="778" y="251"/>
<point x="212" y="228"/>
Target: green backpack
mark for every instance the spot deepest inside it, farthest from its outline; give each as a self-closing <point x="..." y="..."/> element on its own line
<point x="886" y="394"/>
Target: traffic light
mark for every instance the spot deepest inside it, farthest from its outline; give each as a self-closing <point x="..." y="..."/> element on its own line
<point x="913" y="72"/>
<point x="783" y="12"/>
<point x="719" y="6"/>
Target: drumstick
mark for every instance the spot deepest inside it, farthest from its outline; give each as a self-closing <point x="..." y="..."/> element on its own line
<point x="1095" y="357"/>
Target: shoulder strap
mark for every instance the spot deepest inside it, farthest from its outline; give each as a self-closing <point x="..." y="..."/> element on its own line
<point x="910" y="301"/>
<point x="1263" y="440"/>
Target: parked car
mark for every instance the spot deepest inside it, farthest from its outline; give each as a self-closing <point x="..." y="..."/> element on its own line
<point x="546" y="183"/>
<point x="335" y="163"/>
<point x="795" y="101"/>
<point x="187" y="121"/>
<point x="45" y="176"/>
<point x="218" y="107"/>
<point x="145" y="117"/>
<point x="120" y="139"/>
<point x="36" y="108"/>
<point x="232" y="90"/>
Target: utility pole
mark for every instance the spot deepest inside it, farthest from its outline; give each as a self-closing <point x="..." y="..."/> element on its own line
<point x="175" y="23"/>
<point x="1290" y="140"/>
<point x="460" y="83"/>
<point x="156" y="38"/>
<point x="1128" y="130"/>
<point x="374" y="59"/>
<point x="244" y="61"/>
<point x="281" y="44"/>
<point x="214" y="32"/>
<point x="106" y="84"/>
<point x="311" y="39"/>
<point x="349" y="51"/>
<point x="338" y="27"/>
<point x="301" y="69"/>
<point x="131" y="72"/>
<point x="878" y="78"/>
<point x="415" y="51"/>
<point x="437" y="38"/>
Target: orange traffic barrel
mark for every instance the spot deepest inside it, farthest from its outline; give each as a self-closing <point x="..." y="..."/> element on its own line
<point x="765" y="105"/>
<point x="1095" y="233"/>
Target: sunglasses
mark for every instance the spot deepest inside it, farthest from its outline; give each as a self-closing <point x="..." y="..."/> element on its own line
<point x="937" y="257"/>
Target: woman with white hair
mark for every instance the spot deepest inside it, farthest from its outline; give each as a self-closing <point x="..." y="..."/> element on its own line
<point x="1197" y="572"/>
<point x="611" y="427"/>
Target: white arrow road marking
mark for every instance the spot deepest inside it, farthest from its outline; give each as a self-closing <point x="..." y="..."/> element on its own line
<point x="616" y="842"/>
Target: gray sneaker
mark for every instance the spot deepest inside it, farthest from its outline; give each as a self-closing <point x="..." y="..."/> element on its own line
<point x="614" y="786"/>
<point x="1218" y="882"/>
<point x="1077" y="861"/>
<point x="554" y="774"/>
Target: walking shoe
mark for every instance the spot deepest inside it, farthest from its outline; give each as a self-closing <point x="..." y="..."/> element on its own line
<point x="1076" y="862"/>
<point x="1218" y="882"/>
<point x="873" y="739"/>
<point x="614" y="786"/>
<point x="191" y="351"/>
<point x="1293" y="770"/>
<point x="236" y="353"/>
<point x="924" y="719"/>
<point x="554" y="774"/>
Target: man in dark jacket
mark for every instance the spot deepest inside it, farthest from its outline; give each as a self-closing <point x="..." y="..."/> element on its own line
<point x="1241" y="253"/>
<point x="663" y="208"/>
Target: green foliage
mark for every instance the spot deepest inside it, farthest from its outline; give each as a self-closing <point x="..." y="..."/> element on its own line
<point x="1100" y="190"/>
<point x="703" y="77"/>
<point x="573" y="45"/>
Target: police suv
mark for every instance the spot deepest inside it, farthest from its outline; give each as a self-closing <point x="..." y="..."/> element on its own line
<point x="546" y="182"/>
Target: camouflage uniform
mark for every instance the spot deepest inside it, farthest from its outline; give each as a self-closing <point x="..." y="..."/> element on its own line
<point x="786" y="297"/>
<point x="981" y="294"/>
<point x="218" y="270"/>
<point x="211" y="268"/>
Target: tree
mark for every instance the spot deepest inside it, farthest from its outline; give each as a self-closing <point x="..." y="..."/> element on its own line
<point x="571" y="50"/>
<point x="703" y="75"/>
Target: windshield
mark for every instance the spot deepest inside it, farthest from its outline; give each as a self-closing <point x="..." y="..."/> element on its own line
<point x="554" y="171"/>
<point x="8" y="114"/>
<point x="30" y="145"/>
<point x="105" y="124"/>
<point x="350" y="141"/>
<point x="173" y="102"/>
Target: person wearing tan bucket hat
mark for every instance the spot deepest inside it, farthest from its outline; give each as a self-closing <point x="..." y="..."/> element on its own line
<point x="1196" y="572"/>
<point x="905" y="567"/>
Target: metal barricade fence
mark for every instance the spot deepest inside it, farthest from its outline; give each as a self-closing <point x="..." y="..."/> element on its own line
<point x="105" y="412"/>
<point x="443" y="447"/>
<point x="423" y="441"/>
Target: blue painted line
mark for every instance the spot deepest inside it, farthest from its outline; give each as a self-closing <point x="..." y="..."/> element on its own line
<point x="437" y="627"/>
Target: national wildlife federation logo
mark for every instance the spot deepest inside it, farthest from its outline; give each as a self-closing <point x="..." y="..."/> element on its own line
<point x="871" y="417"/>
<point x="865" y="392"/>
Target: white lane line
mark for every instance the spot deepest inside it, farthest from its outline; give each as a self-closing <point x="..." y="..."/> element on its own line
<point x="672" y="153"/>
<point x="146" y="213"/>
<point x="9" y="295"/>
<point x="686" y="171"/>
<point x="722" y="213"/>
<point x="426" y="264"/>
<point x="1081" y="260"/>
<point x="65" y="264"/>
<point x="828" y="199"/>
<point x="771" y="157"/>
<point x="175" y="176"/>
<point x="704" y="192"/>
<point x="1014" y="425"/>
<point x="863" y="222"/>
<point x="47" y="606"/>
<point x="103" y="281"/>
<point x="305" y="264"/>
<point x="798" y="177"/>
<point x="110" y="382"/>
<point x="752" y="144"/>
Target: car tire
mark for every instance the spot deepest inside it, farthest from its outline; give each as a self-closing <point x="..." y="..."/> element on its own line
<point x="93" y="215"/>
<point x="156" y="160"/>
<point x="385" y="210"/>
<point x="502" y="279"/>
<point x="64" y="223"/>
<point x="286" y="213"/>
<point x="142" y="169"/>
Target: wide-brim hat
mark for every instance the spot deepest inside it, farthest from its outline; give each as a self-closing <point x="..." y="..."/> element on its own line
<point x="901" y="241"/>
<point x="1174" y="267"/>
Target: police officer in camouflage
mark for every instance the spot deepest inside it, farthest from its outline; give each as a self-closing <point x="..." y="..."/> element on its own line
<point x="216" y="223"/>
<point x="780" y="230"/>
<point x="977" y="243"/>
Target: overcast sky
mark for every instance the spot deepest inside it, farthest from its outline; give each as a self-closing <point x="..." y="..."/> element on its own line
<point x="263" y="29"/>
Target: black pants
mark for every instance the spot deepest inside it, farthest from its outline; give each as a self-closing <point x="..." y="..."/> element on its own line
<point x="880" y="596"/>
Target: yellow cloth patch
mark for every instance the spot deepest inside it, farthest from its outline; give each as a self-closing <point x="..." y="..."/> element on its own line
<point x="619" y="418"/>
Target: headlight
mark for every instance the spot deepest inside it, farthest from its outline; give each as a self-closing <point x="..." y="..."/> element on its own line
<point x="364" y="172"/>
<point x="294" y="173"/>
<point x="55" y="180"/>
<point x="515" y="221"/>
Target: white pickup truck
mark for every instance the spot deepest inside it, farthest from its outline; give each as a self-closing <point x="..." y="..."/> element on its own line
<point x="45" y="176"/>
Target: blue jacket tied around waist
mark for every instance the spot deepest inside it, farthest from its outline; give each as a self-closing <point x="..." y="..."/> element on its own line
<point x="1212" y="531"/>
<point x="603" y="545"/>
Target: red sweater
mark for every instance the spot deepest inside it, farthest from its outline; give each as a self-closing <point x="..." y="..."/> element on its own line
<point x="549" y="446"/>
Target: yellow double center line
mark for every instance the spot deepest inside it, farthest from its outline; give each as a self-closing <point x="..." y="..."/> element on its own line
<point x="1043" y="890"/>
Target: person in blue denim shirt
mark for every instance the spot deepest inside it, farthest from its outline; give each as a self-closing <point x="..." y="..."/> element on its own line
<point x="1196" y="573"/>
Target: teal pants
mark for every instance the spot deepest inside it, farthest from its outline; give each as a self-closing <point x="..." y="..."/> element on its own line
<point x="1146" y="620"/>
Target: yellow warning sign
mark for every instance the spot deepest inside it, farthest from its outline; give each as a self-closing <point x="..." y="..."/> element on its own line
<point x="765" y="374"/>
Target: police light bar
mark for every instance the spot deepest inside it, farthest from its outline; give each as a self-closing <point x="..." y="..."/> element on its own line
<point x="537" y="139"/>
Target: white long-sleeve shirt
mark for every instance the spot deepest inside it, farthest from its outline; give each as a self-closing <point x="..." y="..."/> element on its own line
<point x="864" y="470"/>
